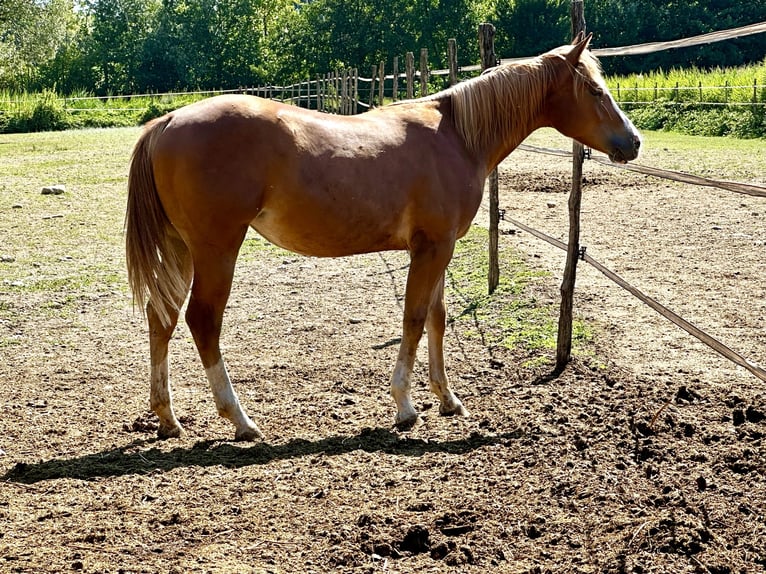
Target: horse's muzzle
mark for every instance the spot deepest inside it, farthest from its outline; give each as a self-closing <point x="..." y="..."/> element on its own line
<point x="625" y="150"/>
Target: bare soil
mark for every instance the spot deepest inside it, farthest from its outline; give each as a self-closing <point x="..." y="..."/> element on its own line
<point x="646" y="455"/>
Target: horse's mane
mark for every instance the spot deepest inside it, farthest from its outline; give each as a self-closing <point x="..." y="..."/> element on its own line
<point x="506" y="99"/>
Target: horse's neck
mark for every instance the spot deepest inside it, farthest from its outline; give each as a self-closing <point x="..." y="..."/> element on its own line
<point x="505" y="145"/>
<point x="511" y="109"/>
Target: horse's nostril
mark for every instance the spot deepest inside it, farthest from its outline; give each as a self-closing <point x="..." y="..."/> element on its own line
<point x="637" y="142"/>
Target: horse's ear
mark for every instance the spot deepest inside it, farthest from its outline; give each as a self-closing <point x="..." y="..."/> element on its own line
<point x="580" y="43"/>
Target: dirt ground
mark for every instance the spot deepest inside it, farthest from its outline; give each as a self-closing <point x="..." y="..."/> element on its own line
<point x="646" y="455"/>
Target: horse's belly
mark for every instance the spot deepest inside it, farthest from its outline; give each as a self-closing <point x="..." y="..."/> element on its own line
<point x="327" y="234"/>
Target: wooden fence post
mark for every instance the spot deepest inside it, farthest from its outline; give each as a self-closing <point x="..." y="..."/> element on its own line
<point x="344" y="92"/>
<point x="410" y="70"/>
<point x="395" y="88"/>
<point x="564" y="343"/>
<point x="356" y="92"/>
<point x="423" y="72"/>
<point x="452" y="55"/>
<point x="372" y="86"/>
<point x="381" y="82"/>
<point x="489" y="60"/>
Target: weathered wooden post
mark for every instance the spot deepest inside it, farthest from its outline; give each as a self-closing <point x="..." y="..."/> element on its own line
<point x="372" y="86"/>
<point x="335" y="93"/>
<point x="489" y="60"/>
<point x="452" y="56"/>
<point x="319" y="92"/>
<point x="423" y="72"/>
<point x="410" y="71"/>
<point x="395" y="87"/>
<point x="381" y="82"/>
<point x="564" y="343"/>
<point x="356" y="92"/>
<point x="344" y="92"/>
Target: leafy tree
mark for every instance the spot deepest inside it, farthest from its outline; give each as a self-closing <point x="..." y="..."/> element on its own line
<point x="530" y="27"/>
<point x="211" y="43"/>
<point x="32" y="32"/>
<point x="330" y="34"/>
<point x="622" y="22"/>
<point x="115" y="44"/>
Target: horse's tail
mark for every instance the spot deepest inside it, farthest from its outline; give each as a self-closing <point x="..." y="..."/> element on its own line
<point x="154" y="266"/>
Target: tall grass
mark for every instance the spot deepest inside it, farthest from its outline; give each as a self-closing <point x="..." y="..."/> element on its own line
<point x="48" y="111"/>
<point x="719" y="102"/>
<point x="728" y="101"/>
<point x="742" y="85"/>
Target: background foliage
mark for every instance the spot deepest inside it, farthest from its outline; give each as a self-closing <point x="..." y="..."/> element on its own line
<point x="133" y="46"/>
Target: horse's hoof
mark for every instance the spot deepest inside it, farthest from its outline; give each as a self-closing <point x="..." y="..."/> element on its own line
<point x="166" y="432"/>
<point x="456" y="410"/>
<point x="408" y="423"/>
<point x="249" y="434"/>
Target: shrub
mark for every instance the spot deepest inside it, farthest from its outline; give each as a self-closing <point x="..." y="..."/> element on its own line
<point x="48" y="114"/>
<point x="700" y="120"/>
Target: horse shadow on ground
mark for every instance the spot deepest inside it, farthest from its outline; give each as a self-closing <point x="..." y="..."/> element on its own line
<point x="126" y="460"/>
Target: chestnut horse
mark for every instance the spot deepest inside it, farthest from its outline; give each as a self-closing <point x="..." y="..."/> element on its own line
<point x="407" y="176"/>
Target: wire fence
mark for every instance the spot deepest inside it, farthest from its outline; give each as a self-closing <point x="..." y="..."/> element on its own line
<point x="737" y="187"/>
<point x="745" y="188"/>
<point x="690" y="328"/>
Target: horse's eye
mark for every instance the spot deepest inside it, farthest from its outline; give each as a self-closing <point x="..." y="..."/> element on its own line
<point x="596" y="91"/>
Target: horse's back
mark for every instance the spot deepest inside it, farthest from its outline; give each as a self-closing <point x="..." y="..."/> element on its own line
<point x="311" y="182"/>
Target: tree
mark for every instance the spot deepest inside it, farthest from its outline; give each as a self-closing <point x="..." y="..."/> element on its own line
<point x="622" y="22"/>
<point x="330" y="34"/>
<point x="32" y="32"/>
<point x="531" y="27"/>
<point x="212" y="43"/>
<point x="114" y="48"/>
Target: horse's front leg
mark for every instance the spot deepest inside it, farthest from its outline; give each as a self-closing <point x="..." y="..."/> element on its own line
<point x="428" y="259"/>
<point x="435" y="327"/>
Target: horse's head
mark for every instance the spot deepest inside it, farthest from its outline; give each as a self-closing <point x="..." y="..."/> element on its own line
<point x="579" y="105"/>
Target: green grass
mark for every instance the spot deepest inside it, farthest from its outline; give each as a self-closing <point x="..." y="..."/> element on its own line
<point x="689" y="100"/>
<point x="512" y="316"/>
<point x="49" y="111"/>
<point x="63" y="250"/>
<point x="720" y="85"/>
<point x="255" y="245"/>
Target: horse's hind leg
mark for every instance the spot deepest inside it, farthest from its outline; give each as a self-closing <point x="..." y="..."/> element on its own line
<point x="435" y="327"/>
<point x="160" y="399"/>
<point x="213" y="273"/>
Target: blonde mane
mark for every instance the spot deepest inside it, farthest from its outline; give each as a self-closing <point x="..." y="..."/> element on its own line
<point x="507" y="99"/>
